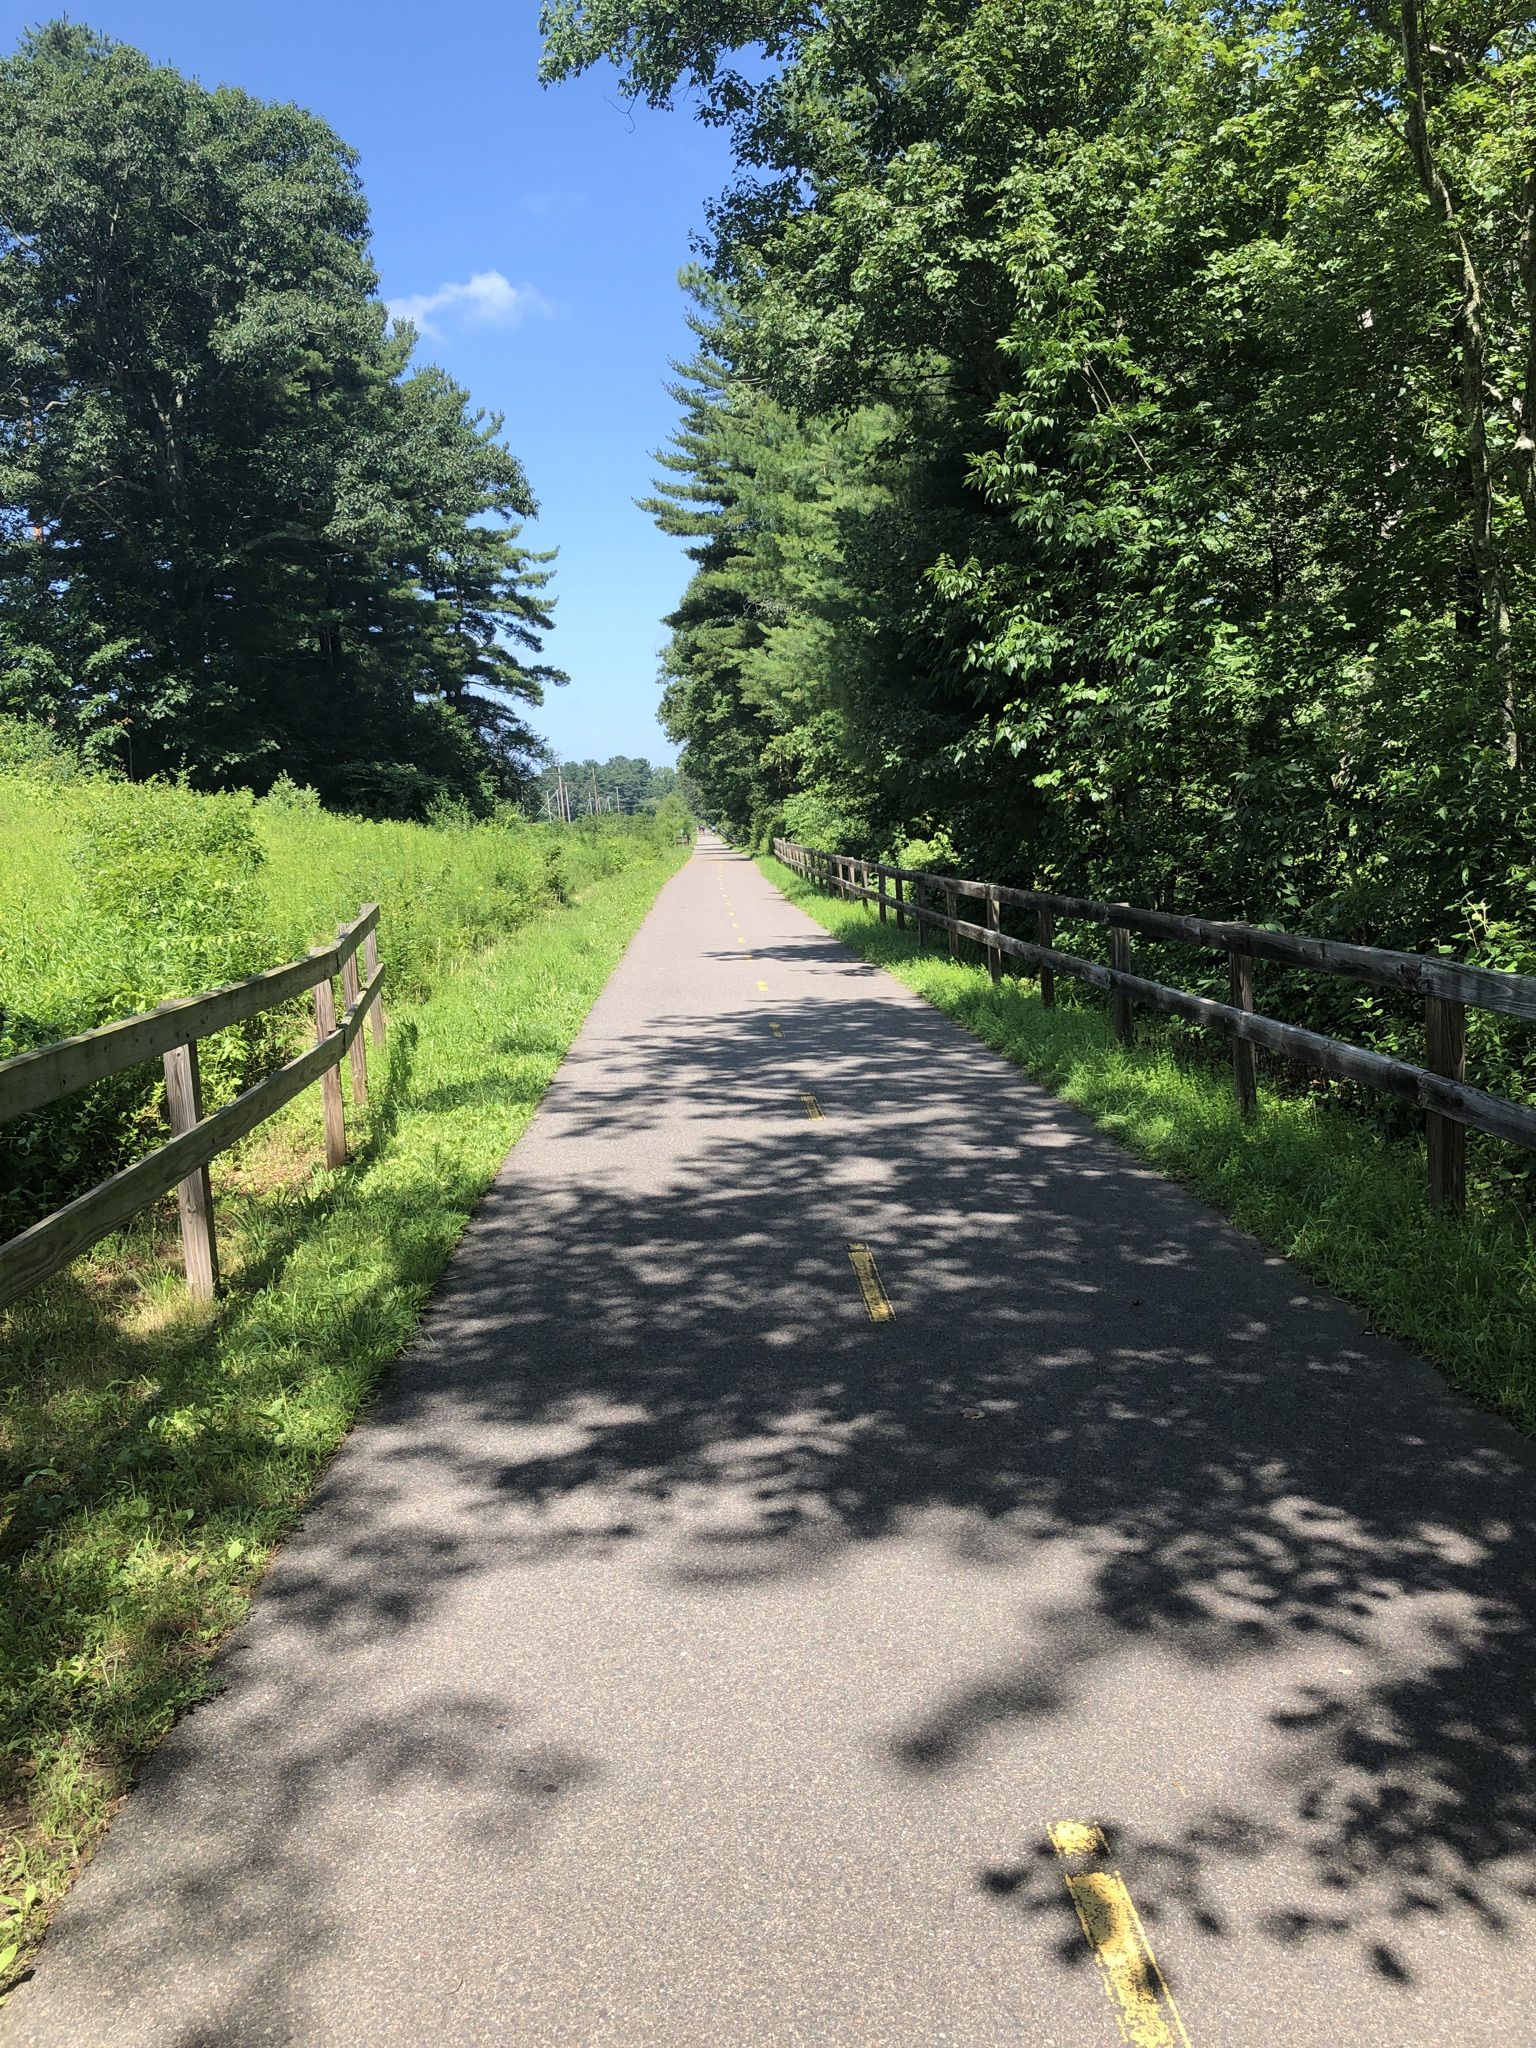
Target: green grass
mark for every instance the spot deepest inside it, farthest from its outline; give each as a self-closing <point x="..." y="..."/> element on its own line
<point x="1326" y="1188"/>
<point x="155" y="1453"/>
<point x="115" y="893"/>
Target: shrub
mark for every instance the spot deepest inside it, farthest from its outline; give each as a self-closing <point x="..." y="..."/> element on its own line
<point x="54" y="1154"/>
<point x="117" y="895"/>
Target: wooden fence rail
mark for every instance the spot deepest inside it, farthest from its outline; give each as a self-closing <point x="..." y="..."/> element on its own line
<point x="32" y="1080"/>
<point x="1449" y="988"/>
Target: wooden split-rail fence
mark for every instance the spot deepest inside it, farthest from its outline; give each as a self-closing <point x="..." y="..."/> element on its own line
<point x="32" y="1080"/>
<point x="1449" y="988"/>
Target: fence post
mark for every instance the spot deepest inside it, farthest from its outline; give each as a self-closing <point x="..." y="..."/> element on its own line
<point x="376" y="1007"/>
<point x="1445" y="1052"/>
<point x="1120" y="961"/>
<point x="1245" y="1057"/>
<point x="901" y="912"/>
<point x="880" y="880"/>
<point x="330" y="1080"/>
<point x="194" y="1195"/>
<point x="951" y="909"/>
<point x="1045" y="932"/>
<point x="351" y="989"/>
<point x="995" y="921"/>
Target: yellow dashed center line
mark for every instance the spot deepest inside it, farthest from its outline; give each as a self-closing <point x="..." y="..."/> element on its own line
<point x="812" y="1107"/>
<point x="762" y="988"/>
<point x="871" y="1286"/>
<point x="776" y="1029"/>
<point x="1143" y="2005"/>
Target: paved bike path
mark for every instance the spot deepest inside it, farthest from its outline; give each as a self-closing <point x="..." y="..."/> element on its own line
<point x="676" y="1655"/>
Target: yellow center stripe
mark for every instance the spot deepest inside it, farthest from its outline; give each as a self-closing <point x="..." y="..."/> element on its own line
<point x="763" y="987"/>
<point x="776" y="1029"/>
<point x="1144" y="2009"/>
<point x="1077" y="1838"/>
<point x="871" y="1286"/>
<point x="812" y="1106"/>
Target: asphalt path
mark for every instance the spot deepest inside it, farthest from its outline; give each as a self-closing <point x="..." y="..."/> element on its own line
<point x="680" y="1653"/>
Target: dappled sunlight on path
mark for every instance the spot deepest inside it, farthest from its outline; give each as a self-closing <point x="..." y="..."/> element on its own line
<point x="679" y="1655"/>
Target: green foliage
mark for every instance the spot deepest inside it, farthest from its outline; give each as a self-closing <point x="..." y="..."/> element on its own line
<point x="151" y="1454"/>
<point x="239" y="534"/>
<point x="175" y="880"/>
<point x="1108" y="447"/>
<point x="33" y="748"/>
<point x="292" y="799"/>
<point x="624" y="785"/>
<point x="51" y="1155"/>
<point x="814" y="817"/>
<point x="935" y="855"/>
<point x="120" y="895"/>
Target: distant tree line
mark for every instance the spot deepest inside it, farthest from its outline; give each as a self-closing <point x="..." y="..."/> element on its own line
<point x="622" y="784"/>
<point x="241" y="536"/>
<point x="1110" y="455"/>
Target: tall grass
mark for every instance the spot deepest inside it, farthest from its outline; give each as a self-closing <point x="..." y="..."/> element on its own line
<point x="151" y="1453"/>
<point x="116" y="895"/>
<point x="1333" y="1192"/>
<point x="114" y="892"/>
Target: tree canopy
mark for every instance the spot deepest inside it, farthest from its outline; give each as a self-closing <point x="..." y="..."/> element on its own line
<point x="1110" y="446"/>
<point x="625" y="784"/>
<point x="240" y="535"/>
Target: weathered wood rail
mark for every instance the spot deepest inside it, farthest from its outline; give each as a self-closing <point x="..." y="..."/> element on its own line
<point x="1449" y="988"/>
<point x="32" y="1080"/>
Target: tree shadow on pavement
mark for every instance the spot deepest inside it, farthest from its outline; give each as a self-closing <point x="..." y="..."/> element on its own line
<point x="1248" y="1496"/>
<point x="1257" y="1490"/>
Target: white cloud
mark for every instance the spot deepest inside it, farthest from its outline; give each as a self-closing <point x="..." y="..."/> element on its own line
<point x="487" y="300"/>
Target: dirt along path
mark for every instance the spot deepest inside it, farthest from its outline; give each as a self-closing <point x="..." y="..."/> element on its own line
<point x="853" y="1559"/>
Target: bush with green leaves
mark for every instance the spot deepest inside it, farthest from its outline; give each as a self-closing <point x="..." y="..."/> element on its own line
<point x="117" y="895"/>
<point x="117" y="892"/>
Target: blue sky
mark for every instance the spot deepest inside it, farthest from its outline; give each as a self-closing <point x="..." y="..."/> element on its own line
<point x="572" y="208"/>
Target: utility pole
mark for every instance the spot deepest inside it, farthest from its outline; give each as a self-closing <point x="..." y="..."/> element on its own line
<point x="565" y="813"/>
